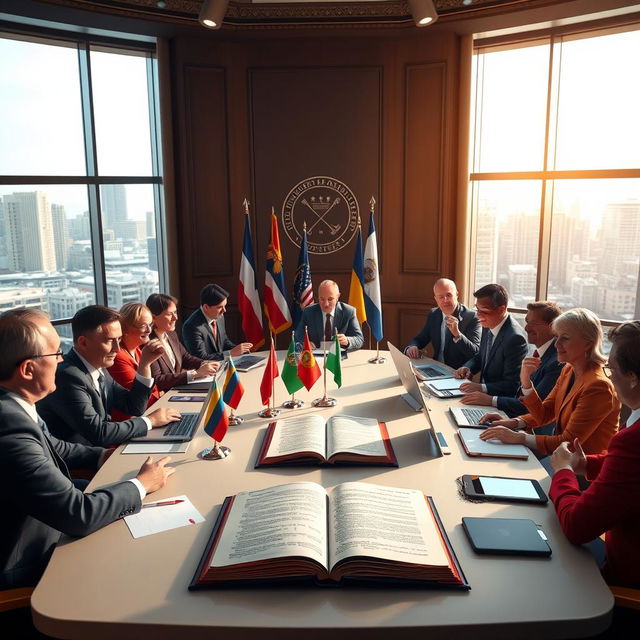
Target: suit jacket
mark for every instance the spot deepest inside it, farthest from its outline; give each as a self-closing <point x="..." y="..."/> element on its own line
<point x="167" y="375"/>
<point x="588" y="410"/>
<point x="543" y="379"/>
<point x="75" y="411"/>
<point x="610" y="505"/>
<point x="198" y="337"/>
<point x="344" y="321"/>
<point x="500" y="371"/>
<point x="455" y="353"/>
<point x="39" y="500"/>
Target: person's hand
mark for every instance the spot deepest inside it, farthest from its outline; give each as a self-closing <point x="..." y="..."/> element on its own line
<point x="163" y="416"/>
<point x="239" y="349"/>
<point x="206" y="369"/>
<point x="150" y="353"/>
<point x="153" y="475"/>
<point x="342" y="339"/>
<point x="413" y="351"/>
<point x="476" y="397"/>
<point x="104" y="456"/>
<point x="462" y="372"/>
<point x="504" y="434"/>
<point x="452" y="325"/>
<point x="570" y="456"/>
<point x="528" y="366"/>
<point x="497" y="420"/>
<point x="468" y="387"/>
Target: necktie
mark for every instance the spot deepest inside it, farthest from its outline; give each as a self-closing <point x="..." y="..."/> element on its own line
<point x="536" y="353"/>
<point x="101" y="389"/>
<point x="327" y="327"/>
<point x="43" y="425"/>
<point x="214" y="330"/>
<point x="443" y="337"/>
<point x="487" y="351"/>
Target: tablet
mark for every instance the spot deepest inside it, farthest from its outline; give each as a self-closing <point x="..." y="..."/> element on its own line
<point x="503" y="489"/>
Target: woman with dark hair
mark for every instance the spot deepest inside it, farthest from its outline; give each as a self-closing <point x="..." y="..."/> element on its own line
<point x="176" y="366"/>
<point x="611" y="504"/>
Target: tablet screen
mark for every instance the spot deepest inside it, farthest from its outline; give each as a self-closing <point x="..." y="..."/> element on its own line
<point x="508" y="487"/>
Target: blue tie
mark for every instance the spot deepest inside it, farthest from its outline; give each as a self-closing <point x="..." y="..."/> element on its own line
<point x="43" y="425"/>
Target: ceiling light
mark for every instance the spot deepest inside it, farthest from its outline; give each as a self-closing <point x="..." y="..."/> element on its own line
<point x="423" y="12"/>
<point x="212" y="13"/>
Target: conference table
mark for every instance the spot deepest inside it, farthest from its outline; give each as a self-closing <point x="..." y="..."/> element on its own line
<point x="112" y="585"/>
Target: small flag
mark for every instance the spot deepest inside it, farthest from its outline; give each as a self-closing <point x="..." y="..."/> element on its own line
<point x="290" y="369"/>
<point x="302" y="287"/>
<point x="270" y="372"/>
<point x="332" y="362"/>
<point x="276" y="307"/>
<point x="216" y="420"/>
<point x="372" y="298"/>
<point x="233" y="390"/>
<point x="356" y="290"/>
<point x="308" y="369"/>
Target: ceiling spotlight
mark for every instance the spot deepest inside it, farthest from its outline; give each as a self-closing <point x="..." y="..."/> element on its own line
<point x="212" y="13"/>
<point x="423" y="12"/>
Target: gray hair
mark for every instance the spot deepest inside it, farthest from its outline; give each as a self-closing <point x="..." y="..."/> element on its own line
<point x="20" y="338"/>
<point x="586" y="324"/>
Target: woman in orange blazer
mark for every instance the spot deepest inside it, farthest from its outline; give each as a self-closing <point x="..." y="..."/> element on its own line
<point x="583" y="404"/>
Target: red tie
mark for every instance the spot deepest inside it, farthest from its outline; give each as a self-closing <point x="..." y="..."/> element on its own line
<point x="536" y="354"/>
<point x="214" y="330"/>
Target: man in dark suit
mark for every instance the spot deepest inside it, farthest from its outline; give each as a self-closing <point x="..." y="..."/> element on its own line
<point x="451" y="328"/>
<point x="39" y="500"/>
<point x="503" y="346"/>
<point x="537" y="326"/>
<point x="328" y="317"/>
<point x="204" y="333"/>
<point x="86" y="393"/>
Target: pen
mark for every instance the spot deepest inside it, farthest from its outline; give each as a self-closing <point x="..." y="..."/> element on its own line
<point x="161" y="504"/>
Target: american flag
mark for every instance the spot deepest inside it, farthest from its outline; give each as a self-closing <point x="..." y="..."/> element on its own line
<point x="302" y="287"/>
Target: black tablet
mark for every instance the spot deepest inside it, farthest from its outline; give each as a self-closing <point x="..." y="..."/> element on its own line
<point x="504" y="489"/>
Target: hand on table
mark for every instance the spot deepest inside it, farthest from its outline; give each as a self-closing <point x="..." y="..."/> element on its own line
<point x="342" y="339"/>
<point x="163" y="416"/>
<point x="154" y="475"/>
<point x="239" y="349"/>
<point x="413" y="351"/>
<point x="206" y="369"/>
<point x="504" y="434"/>
<point x="462" y="372"/>
<point x="476" y="397"/>
<point x="469" y="387"/>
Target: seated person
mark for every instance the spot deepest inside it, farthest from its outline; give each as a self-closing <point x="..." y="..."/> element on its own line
<point x="610" y="505"/>
<point x="327" y="317"/>
<point x="135" y="320"/>
<point x="451" y="328"/>
<point x="79" y="410"/>
<point x="204" y="334"/>
<point x="537" y="326"/>
<point x="502" y="347"/>
<point x="176" y="366"/>
<point x="40" y="501"/>
<point x="583" y="402"/>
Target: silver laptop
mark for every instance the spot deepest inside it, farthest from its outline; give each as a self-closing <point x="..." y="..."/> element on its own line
<point x="471" y="416"/>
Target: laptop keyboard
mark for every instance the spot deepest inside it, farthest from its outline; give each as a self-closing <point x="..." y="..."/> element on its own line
<point x="184" y="427"/>
<point x="473" y="416"/>
<point x="429" y="372"/>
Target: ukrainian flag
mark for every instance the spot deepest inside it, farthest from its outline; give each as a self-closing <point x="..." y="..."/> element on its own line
<point x="356" y="290"/>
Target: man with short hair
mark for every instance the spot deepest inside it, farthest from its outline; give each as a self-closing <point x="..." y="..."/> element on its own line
<point x="503" y="346"/>
<point x="79" y="409"/>
<point x="451" y="328"/>
<point x="39" y="500"/>
<point x="328" y="317"/>
<point x="204" y="333"/>
<point x="540" y="316"/>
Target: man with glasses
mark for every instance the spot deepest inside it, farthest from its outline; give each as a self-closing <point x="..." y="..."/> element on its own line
<point x="79" y="409"/>
<point x="39" y="500"/>
<point x="503" y="346"/>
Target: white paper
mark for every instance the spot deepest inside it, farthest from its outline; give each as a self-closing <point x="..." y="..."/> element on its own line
<point x="350" y="434"/>
<point x="201" y="380"/>
<point x="447" y="383"/>
<point x="163" y="518"/>
<point x="156" y="447"/>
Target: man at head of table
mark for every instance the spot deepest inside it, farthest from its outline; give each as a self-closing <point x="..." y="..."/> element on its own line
<point x="451" y="328"/>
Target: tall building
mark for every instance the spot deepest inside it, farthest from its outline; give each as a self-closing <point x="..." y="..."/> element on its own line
<point x="60" y="235"/>
<point x="486" y="248"/>
<point x="113" y="203"/>
<point x="80" y="227"/>
<point x="518" y="243"/>
<point x="151" y="224"/>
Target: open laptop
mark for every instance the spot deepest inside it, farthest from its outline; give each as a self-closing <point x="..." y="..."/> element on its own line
<point x="248" y="362"/>
<point x="471" y="415"/>
<point x="183" y="430"/>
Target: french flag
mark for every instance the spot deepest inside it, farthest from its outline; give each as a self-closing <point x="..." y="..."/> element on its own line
<point x="248" y="298"/>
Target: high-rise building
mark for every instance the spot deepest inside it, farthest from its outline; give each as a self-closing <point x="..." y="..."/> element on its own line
<point x="80" y="227"/>
<point x="113" y="203"/>
<point x="60" y="234"/>
<point x="151" y="224"/>
<point x="518" y="243"/>
<point x="486" y="249"/>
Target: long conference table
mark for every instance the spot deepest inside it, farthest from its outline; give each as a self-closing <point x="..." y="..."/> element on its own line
<point x="111" y="585"/>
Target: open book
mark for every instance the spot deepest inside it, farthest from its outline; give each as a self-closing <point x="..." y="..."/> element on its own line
<point x="309" y="439"/>
<point x="357" y="532"/>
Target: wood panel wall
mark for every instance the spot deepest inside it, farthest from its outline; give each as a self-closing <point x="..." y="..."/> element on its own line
<point x="254" y="116"/>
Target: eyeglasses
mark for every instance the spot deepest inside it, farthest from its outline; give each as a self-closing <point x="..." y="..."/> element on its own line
<point x="57" y="354"/>
<point x="143" y="326"/>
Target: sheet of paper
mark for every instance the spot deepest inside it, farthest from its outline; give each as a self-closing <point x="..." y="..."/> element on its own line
<point x="354" y="435"/>
<point x="301" y="433"/>
<point x="156" y="519"/>
<point x="156" y="447"/>
<point x="447" y="383"/>
<point x="201" y="380"/>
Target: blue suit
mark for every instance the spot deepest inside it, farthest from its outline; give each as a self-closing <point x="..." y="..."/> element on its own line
<point x="344" y="321"/>
<point x="197" y="337"/>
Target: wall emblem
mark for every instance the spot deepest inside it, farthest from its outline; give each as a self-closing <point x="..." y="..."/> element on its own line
<point x="329" y="208"/>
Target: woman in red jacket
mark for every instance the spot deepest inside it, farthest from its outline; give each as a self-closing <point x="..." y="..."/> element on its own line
<point x="611" y="504"/>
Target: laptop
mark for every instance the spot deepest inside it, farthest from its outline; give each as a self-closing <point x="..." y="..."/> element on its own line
<point x="183" y="430"/>
<point x="445" y="388"/>
<point x="471" y="416"/>
<point x="506" y="536"/>
<point x="248" y="362"/>
<point x="474" y="446"/>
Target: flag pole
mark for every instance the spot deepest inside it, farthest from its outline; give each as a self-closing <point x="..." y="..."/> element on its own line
<point x="293" y="403"/>
<point x="325" y="401"/>
<point x="378" y="359"/>
<point x="270" y="411"/>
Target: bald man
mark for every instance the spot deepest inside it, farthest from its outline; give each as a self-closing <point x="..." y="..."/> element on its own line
<point x="452" y="329"/>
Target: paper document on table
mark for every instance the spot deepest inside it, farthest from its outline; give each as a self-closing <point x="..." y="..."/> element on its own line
<point x="156" y="447"/>
<point x="447" y="383"/>
<point x="164" y="517"/>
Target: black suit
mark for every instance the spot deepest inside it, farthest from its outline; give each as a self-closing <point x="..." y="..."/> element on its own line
<point x="39" y="500"/>
<point x="76" y="412"/>
<point x="500" y="368"/>
<point x="455" y="353"/>
<point x="198" y="337"/>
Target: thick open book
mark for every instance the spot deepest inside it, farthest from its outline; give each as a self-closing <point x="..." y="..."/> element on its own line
<point x="309" y="439"/>
<point x="357" y="532"/>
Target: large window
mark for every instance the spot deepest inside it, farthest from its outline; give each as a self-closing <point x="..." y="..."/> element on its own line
<point x="81" y="217"/>
<point x="555" y="171"/>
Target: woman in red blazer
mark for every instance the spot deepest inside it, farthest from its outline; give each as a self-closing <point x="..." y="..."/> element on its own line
<point x="176" y="366"/>
<point x="611" y="504"/>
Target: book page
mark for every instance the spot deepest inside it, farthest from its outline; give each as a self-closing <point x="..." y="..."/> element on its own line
<point x="302" y="433"/>
<point x="354" y="435"/>
<point x="383" y="522"/>
<point x="283" y="521"/>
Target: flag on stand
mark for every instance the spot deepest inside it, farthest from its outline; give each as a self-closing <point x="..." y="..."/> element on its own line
<point x="332" y="362"/>
<point x="302" y="287"/>
<point x="216" y="420"/>
<point x="248" y="298"/>
<point x="308" y="369"/>
<point x="275" y="297"/>
<point x="372" y="298"/>
<point x="232" y="390"/>
<point x="270" y="373"/>
<point x="356" y="290"/>
<point x="289" y="373"/>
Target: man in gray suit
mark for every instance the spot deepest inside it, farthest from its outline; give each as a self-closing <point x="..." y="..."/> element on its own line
<point x="330" y="316"/>
<point x="39" y="501"/>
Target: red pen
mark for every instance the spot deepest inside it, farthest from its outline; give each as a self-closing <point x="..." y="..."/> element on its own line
<point x="164" y="503"/>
